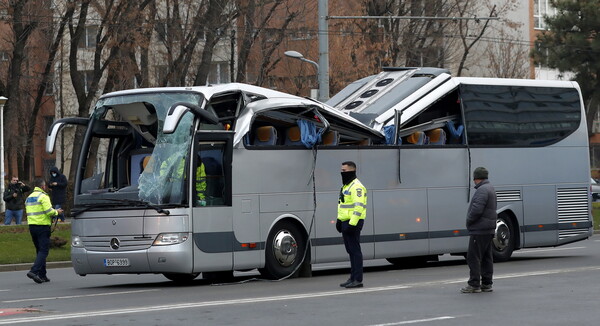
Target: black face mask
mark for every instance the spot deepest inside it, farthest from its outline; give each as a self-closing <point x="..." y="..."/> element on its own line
<point x="348" y="176"/>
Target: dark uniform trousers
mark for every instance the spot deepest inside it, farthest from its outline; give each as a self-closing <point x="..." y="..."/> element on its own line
<point x="480" y="259"/>
<point x="351" y="236"/>
<point x="40" y="234"/>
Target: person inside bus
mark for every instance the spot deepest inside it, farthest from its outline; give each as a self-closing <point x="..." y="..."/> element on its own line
<point x="352" y="210"/>
<point x="481" y="224"/>
<point x="178" y="172"/>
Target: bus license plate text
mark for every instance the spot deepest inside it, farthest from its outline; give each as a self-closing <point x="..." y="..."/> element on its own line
<point x="116" y="262"/>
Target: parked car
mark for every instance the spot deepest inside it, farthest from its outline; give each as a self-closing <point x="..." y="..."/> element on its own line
<point x="595" y="190"/>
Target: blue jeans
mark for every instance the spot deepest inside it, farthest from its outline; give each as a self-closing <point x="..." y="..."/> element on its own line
<point x="61" y="217"/>
<point x="40" y="234"/>
<point x="9" y="214"/>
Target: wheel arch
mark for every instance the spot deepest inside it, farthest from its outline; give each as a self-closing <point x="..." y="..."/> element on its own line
<point x="292" y="219"/>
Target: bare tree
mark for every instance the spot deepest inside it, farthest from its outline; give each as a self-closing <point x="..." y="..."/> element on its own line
<point x="508" y="58"/>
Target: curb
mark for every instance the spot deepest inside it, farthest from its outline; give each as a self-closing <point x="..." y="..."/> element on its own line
<point x="27" y="266"/>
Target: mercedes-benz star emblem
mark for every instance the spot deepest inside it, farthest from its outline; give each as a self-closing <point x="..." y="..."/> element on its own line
<point x="115" y="243"/>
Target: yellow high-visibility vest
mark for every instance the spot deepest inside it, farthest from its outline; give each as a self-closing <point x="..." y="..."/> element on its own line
<point x="354" y="205"/>
<point x="39" y="208"/>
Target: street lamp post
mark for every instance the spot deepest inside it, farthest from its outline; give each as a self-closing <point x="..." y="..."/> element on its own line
<point x="2" y="102"/>
<point x="299" y="56"/>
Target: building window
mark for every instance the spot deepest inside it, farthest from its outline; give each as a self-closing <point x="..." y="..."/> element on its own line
<point x="541" y="8"/>
<point x="219" y="73"/>
<point x="89" y="37"/>
<point x="4" y="56"/>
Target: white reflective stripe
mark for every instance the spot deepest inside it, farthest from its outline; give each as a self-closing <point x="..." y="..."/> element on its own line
<point x="36" y="213"/>
<point x="33" y="203"/>
<point x="346" y="206"/>
<point x="360" y="204"/>
<point x="357" y="213"/>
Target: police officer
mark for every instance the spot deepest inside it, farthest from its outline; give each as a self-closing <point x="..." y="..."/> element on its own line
<point x="352" y="208"/>
<point x="39" y="217"/>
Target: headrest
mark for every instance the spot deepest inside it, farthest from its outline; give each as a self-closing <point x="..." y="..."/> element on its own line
<point x="330" y="137"/>
<point x="434" y="135"/>
<point x="293" y="133"/>
<point x="415" y="137"/>
<point x="265" y="133"/>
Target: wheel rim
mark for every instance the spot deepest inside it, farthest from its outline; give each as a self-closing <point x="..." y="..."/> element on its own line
<point x="285" y="248"/>
<point x="502" y="235"/>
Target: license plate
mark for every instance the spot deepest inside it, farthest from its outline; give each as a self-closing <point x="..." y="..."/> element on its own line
<point x="116" y="262"/>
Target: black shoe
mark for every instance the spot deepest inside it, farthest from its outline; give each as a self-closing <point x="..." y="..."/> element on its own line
<point x="45" y="278"/>
<point x="486" y="288"/>
<point x="354" y="284"/>
<point x="346" y="283"/>
<point x="470" y="289"/>
<point x="35" y="278"/>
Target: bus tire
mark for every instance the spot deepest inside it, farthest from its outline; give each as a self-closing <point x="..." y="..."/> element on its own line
<point x="181" y="277"/>
<point x="284" y="251"/>
<point x="503" y="243"/>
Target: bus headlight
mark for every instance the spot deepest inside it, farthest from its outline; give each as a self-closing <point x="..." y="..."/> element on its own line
<point x="76" y="242"/>
<point x="165" y="239"/>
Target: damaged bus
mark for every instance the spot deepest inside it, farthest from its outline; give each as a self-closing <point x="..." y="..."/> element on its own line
<point x="213" y="179"/>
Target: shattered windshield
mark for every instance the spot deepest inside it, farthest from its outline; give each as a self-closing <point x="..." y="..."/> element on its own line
<point x="142" y="161"/>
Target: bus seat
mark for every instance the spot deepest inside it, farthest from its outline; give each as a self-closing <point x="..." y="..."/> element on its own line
<point x="417" y="138"/>
<point x="331" y="138"/>
<point x="436" y="136"/>
<point x="292" y="136"/>
<point x="265" y="136"/>
<point x="364" y="142"/>
<point x="145" y="161"/>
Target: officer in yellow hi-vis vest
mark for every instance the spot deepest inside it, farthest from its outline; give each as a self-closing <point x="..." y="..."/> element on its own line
<point x="39" y="217"/>
<point x="352" y="209"/>
<point x="177" y="174"/>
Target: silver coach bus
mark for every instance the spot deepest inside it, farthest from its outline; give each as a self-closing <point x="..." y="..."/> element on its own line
<point x="268" y="192"/>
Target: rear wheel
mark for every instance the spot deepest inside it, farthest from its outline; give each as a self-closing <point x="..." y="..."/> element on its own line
<point x="284" y="252"/>
<point x="503" y="243"/>
<point x="180" y="277"/>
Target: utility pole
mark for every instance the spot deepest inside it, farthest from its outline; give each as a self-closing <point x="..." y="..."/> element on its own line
<point x="323" y="50"/>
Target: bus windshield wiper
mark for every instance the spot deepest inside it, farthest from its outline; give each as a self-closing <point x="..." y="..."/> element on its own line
<point x="132" y="202"/>
<point x="86" y="207"/>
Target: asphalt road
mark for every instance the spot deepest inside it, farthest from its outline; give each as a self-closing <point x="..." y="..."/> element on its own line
<point x="547" y="286"/>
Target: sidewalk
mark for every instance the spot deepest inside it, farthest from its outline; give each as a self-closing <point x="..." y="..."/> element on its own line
<point x="27" y="266"/>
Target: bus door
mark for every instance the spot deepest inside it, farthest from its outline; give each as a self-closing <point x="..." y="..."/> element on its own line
<point x="210" y="189"/>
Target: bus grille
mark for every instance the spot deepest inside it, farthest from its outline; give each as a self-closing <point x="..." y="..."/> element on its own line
<point x="564" y="234"/>
<point x="508" y="195"/>
<point x="573" y="205"/>
<point x="126" y="243"/>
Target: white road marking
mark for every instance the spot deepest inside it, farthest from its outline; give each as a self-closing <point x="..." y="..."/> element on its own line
<point x="406" y="322"/>
<point x="79" y="296"/>
<point x="197" y="305"/>
<point x="527" y="251"/>
<point x="276" y="298"/>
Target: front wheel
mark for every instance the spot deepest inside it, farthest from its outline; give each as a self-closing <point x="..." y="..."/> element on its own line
<point x="284" y="252"/>
<point x="503" y="243"/>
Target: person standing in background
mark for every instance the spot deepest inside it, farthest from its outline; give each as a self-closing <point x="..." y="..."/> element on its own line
<point x="14" y="198"/>
<point x="58" y="187"/>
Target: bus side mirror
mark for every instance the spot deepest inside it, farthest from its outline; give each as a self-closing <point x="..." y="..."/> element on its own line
<point x="57" y="126"/>
<point x="177" y="111"/>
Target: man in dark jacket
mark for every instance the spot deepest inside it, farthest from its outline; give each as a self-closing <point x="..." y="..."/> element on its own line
<point x="58" y="186"/>
<point x="481" y="223"/>
<point x="14" y="198"/>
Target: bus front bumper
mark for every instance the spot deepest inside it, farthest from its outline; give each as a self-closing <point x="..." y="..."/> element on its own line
<point x="156" y="259"/>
